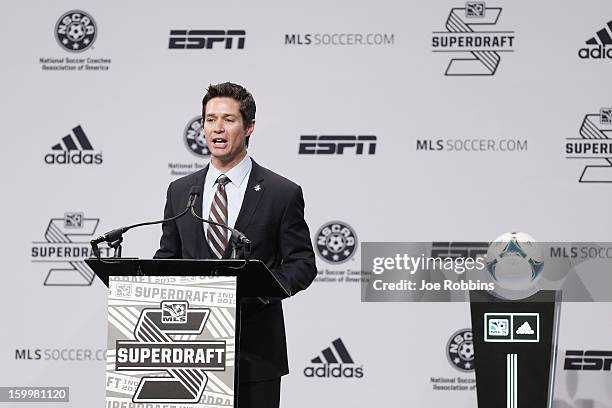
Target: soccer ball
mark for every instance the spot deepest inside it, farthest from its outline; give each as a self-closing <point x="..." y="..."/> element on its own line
<point x="335" y="242"/>
<point x="76" y="32"/>
<point x="514" y="261"/>
<point x="466" y="351"/>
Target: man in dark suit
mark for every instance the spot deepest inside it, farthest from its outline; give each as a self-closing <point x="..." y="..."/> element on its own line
<point x="268" y="209"/>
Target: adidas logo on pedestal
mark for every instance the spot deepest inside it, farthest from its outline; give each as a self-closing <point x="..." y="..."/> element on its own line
<point x="335" y="362"/>
<point x="597" y="45"/>
<point x="71" y="151"/>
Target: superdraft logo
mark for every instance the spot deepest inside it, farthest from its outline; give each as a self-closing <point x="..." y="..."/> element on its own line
<point x="594" y="143"/>
<point x="64" y="249"/>
<point x="171" y="340"/>
<point x="469" y="37"/>
<point x="598" y="47"/>
<point x="179" y="367"/>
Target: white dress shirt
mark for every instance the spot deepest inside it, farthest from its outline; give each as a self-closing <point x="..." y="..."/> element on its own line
<point x="235" y="189"/>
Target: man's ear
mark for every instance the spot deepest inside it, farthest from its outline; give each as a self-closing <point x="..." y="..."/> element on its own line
<point x="250" y="128"/>
<point x="248" y="131"/>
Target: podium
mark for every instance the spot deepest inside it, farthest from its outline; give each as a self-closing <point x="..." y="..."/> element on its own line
<point x="515" y="343"/>
<point x="174" y="327"/>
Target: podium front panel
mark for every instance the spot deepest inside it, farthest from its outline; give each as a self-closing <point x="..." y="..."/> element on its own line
<point x="171" y="341"/>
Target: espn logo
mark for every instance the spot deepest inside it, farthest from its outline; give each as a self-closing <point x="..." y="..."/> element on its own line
<point x="206" y="39"/>
<point x="459" y="249"/>
<point x="336" y="144"/>
<point x="588" y="360"/>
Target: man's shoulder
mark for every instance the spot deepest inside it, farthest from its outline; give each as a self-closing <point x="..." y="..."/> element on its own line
<point x="275" y="181"/>
<point x="270" y="178"/>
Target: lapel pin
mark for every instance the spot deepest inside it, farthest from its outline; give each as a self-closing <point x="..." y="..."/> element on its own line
<point x="257" y="187"/>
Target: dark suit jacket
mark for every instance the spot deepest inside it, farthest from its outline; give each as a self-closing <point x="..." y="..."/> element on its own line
<point x="272" y="217"/>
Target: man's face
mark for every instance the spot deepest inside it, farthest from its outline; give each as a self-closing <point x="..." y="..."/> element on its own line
<point x="224" y="129"/>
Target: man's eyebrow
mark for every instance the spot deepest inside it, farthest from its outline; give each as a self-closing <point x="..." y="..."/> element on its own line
<point x="221" y="114"/>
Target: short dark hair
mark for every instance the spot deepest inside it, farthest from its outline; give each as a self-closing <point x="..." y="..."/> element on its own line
<point x="236" y="92"/>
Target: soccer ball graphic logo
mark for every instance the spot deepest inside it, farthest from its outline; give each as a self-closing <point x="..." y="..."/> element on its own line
<point x="75" y="31"/>
<point x="336" y="242"/>
<point x="194" y="138"/>
<point x="514" y="261"/>
<point x="466" y="351"/>
<point x="460" y="350"/>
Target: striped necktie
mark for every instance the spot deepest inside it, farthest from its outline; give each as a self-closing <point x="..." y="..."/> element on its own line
<point x="218" y="237"/>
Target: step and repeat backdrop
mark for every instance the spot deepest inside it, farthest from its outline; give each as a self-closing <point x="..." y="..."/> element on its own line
<point x="446" y="121"/>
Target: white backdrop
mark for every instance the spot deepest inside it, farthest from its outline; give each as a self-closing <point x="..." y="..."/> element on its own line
<point x="135" y="112"/>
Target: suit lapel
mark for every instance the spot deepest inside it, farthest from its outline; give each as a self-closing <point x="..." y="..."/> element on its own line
<point x="254" y="191"/>
<point x="202" y="251"/>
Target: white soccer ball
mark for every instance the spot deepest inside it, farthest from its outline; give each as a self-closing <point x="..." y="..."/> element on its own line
<point x="335" y="242"/>
<point x="466" y="350"/>
<point x="76" y="32"/>
<point x="514" y="261"/>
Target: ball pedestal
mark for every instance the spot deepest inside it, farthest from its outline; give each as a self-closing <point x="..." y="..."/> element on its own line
<point x="515" y="343"/>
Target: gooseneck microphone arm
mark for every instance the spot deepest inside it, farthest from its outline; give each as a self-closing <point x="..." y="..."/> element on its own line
<point x="238" y="240"/>
<point x="115" y="237"/>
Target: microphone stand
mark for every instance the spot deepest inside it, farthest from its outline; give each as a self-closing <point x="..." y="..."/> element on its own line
<point x="116" y="245"/>
<point x="114" y="238"/>
<point x="238" y="241"/>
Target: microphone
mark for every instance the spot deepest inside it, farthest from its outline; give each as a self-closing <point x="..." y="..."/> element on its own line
<point x="115" y="237"/>
<point x="194" y="192"/>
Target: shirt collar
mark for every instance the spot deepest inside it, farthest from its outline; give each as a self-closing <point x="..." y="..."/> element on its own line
<point x="236" y="174"/>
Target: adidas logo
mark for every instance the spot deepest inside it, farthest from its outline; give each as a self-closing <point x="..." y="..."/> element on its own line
<point x="597" y="44"/>
<point x="603" y="35"/>
<point x="334" y="362"/>
<point x="74" y="148"/>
